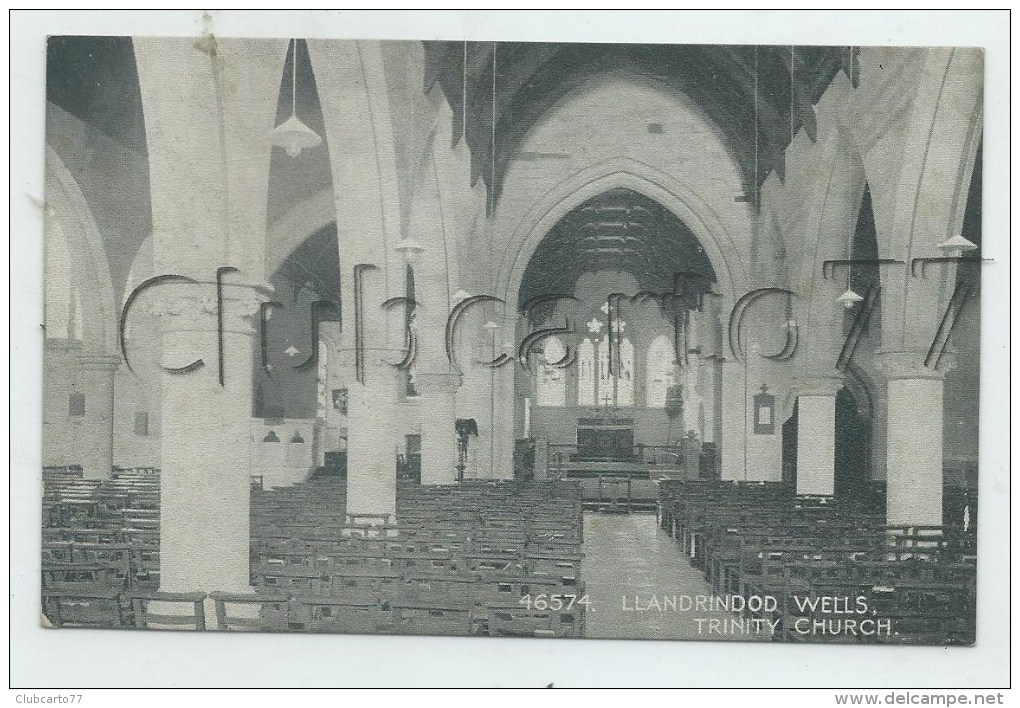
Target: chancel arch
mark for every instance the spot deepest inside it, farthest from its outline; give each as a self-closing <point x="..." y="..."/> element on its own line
<point x="627" y="276"/>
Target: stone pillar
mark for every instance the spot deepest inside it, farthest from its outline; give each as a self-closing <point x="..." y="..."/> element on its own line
<point x="338" y="374"/>
<point x="353" y="92"/>
<point x="97" y="377"/>
<point x="913" y="441"/>
<point x="207" y="123"/>
<point x="879" y="429"/>
<point x="707" y="385"/>
<point x="710" y="341"/>
<point x="60" y="444"/>
<point x="371" y="451"/>
<point x="816" y="437"/>
<point x="206" y="432"/>
<point x="503" y="431"/>
<point x="488" y="395"/>
<point x="438" y="426"/>
<point x="691" y="455"/>
<point x="732" y="446"/>
<point x="747" y="455"/>
<point x="691" y="371"/>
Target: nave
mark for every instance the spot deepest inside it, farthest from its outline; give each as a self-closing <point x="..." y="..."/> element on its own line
<point x="503" y="558"/>
<point x="634" y="573"/>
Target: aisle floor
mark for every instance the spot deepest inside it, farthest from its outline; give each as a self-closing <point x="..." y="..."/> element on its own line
<point x="637" y="581"/>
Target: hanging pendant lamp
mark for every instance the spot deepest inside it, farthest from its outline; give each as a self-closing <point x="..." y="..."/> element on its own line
<point x="957" y="245"/>
<point x="850" y="297"/>
<point x="292" y="134"/>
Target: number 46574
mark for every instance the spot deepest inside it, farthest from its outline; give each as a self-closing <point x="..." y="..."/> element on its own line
<point x="554" y="602"/>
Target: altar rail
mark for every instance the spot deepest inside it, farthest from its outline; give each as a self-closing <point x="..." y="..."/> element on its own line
<point x="622" y="483"/>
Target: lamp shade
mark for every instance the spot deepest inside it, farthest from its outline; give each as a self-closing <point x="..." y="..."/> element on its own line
<point x="409" y="249"/>
<point x="849" y="298"/>
<point x="294" y="136"/>
<point x="957" y="244"/>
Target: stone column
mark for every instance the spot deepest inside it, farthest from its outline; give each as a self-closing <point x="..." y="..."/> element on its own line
<point x="97" y="377"/>
<point x="879" y="429"/>
<point x="338" y="374"/>
<point x="710" y="341"/>
<point x="206" y="433"/>
<point x="913" y="441"/>
<point x="354" y="95"/>
<point x="691" y="371"/>
<point x="60" y="379"/>
<point x="747" y="455"/>
<point x="503" y="431"/>
<point x="371" y="450"/>
<point x="438" y="426"/>
<point x="816" y="436"/>
<point x="734" y="412"/>
<point x="209" y="108"/>
<point x="488" y="395"/>
<point x="707" y="380"/>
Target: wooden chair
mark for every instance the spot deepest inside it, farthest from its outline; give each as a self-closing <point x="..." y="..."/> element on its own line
<point x="438" y="617"/>
<point x="144" y="619"/>
<point x="83" y="607"/>
<point x="267" y="612"/>
<point x="323" y="614"/>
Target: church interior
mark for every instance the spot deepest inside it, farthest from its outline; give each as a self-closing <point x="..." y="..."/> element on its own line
<point x="512" y="339"/>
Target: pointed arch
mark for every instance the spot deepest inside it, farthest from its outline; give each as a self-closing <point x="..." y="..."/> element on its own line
<point x="721" y="247"/>
<point x="68" y="209"/>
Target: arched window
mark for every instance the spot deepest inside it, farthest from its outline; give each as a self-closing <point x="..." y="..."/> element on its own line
<point x="552" y="380"/>
<point x="625" y="374"/>
<point x="606" y="390"/>
<point x="616" y="382"/>
<point x="586" y="373"/>
<point x="660" y="373"/>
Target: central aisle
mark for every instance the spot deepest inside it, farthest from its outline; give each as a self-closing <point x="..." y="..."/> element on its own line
<point x="632" y="570"/>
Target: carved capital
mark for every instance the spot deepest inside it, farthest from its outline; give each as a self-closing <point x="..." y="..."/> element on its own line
<point x="331" y="334"/>
<point x="818" y="385"/>
<point x="188" y="307"/>
<point x="907" y="365"/>
<point x="99" y="362"/>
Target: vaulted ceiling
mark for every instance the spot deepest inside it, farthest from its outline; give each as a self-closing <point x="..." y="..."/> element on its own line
<point x="759" y="96"/>
<point x="94" y="79"/>
<point x="618" y="230"/>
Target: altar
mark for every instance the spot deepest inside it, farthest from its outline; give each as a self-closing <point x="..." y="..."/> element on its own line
<point x="605" y="439"/>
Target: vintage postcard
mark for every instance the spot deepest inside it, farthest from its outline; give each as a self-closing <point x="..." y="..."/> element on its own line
<point x="513" y="339"/>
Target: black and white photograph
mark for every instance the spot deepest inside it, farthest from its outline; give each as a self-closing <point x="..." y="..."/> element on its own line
<point x="561" y="340"/>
